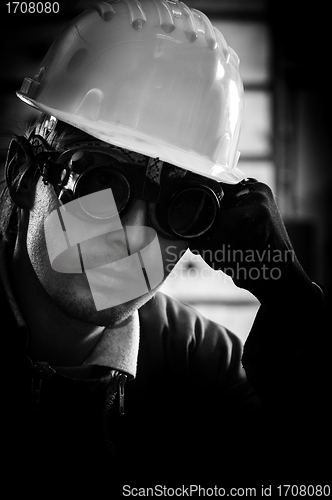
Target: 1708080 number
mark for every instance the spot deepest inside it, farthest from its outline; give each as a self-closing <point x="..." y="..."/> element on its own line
<point x="33" y="7"/>
<point x="292" y="490"/>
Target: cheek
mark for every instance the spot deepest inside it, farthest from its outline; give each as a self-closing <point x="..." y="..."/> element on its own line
<point x="64" y="288"/>
<point x="35" y="238"/>
<point x="36" y="245"/>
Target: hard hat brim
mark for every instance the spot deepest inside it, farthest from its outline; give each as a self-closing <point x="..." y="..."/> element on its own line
<point x="134" y="140"/>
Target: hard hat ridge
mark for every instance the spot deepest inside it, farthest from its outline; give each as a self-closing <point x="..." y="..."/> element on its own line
<point x="168" y="11"/>
<point x="137" y="15"/>
<point x="194" y="21"/>
<point x="104" y="9"/>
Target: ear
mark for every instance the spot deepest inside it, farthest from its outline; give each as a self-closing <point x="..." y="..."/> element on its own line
<point x="19" y="177"/>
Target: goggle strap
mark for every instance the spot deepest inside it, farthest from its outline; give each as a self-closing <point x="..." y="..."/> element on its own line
<point x="53" y="173"/>
<point x="151" y="184"/>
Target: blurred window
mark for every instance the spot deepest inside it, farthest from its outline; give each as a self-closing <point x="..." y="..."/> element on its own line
<point x="252" y="42"/>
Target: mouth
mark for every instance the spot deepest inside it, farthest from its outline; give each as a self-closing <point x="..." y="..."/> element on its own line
<point x="118" y="282"/>
<point x="93" y="255"/>
<point x="122" y="270"/>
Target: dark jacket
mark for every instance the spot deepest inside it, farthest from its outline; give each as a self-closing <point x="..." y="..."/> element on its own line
<point x="191" y="416"/>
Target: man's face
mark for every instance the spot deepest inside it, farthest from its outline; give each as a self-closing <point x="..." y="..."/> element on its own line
<point x="97" y="272"/>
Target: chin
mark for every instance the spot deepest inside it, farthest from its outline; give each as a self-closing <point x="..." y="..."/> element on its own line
<point x="82" y="308"/>
<point x="73" y="296"/>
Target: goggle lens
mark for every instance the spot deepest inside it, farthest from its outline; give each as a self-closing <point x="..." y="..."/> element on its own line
<point x="192" y="212"/>
<point x="97" y="181"/>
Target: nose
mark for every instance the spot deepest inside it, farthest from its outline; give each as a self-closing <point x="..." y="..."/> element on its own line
<point x="135" y="234"/>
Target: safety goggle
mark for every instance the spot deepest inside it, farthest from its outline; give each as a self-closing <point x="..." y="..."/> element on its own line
<point x="181" y="204"/>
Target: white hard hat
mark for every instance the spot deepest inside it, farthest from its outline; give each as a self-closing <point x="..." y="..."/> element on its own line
<point x="152" y="76"/>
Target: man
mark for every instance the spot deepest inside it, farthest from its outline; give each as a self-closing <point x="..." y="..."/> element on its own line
<point x="108" y="382"/>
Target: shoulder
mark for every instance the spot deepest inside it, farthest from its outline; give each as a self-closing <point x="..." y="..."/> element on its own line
<point x="167" y="315"/>
<point x="176" y="332"/>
